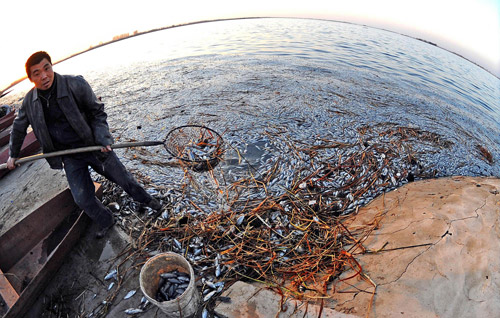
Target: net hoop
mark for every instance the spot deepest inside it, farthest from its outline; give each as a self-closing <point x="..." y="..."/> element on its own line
<point x="194" y="144"/>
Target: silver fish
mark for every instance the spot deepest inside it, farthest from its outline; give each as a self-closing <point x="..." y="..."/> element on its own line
<point x="168" y="275"/>
<point x="209" y="295"/>
<point x="133" y="311"/>
<point x="204" y="313"/>
<point x="130" y="294"/>
<point x="174" y="280"/>
<point x="210" y="284"/>
<point x="240" y="219"/>
<point x="183" y="278"/>
<point x="178" y="244"/>
<point x="217" y="270"/>
<point x="197" y="252"/>
<point x="220" y="286"/>
<point x="111" y="274"/>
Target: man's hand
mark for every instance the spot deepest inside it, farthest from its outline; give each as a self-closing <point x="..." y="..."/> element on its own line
<point x="11" y="163"/>
<point x="106" y="149"/>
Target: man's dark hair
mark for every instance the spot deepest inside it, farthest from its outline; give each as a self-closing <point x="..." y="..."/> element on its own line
<point x="36" y="58"/>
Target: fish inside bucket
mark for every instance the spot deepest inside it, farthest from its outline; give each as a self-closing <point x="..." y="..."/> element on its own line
<point x="172" y="285"/>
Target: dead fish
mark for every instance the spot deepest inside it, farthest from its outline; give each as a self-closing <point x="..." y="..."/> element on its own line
<point x="220" y="286"/>
<point x="210" y="284"/>
<point x="130" y="294"/>
<point x="174" y="281"/>
<point x="133" y="311"/>
<point x="168" y="275"/>
<point x="144" y="302"/>
<point x="178" y="244"/>
<point x="180" y="291"/>
<point x="183" y="278"/>
<point x="204" y="313"/>
<point x="111" y="285"/>
<point x="240" y="220"/>
<point x="209" y="295"/>
<point x="111" y="274"/>
<point x="197" y="252"/>
<point x="217" y="270"/>
<point x="164" y="215"/>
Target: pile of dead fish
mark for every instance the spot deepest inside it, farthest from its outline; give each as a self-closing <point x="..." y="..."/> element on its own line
<point x="275" y="216"/>
<point x="200" y="151"/>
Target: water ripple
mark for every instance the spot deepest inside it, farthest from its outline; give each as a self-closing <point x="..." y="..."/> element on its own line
<point x="249" y="75"/>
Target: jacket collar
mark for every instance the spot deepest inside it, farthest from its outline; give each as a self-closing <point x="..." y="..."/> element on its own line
<point x="62" y="86"/>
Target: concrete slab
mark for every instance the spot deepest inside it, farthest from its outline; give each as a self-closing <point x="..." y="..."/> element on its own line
<point x="253" y="301"/>
<point x="25" y="189"/>
<point x="434" y="252"/>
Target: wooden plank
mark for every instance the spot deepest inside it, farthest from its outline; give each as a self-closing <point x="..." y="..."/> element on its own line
<point x="41" y="279"/>
<point x="28" y="266"/>
<point x="22" y="237"/>
<point x="7" y="120"/>
<point x="8" y="293"/>
<point x="44" y="276"/>
<point x="4" y="136"/>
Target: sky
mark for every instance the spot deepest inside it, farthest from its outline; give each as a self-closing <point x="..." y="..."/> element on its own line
<point x="470" y="28"/>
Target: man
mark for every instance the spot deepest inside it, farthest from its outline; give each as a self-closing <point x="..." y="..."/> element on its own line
<point x="65" y="113"/>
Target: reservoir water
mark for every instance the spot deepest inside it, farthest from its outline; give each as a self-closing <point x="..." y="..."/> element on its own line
<point x="304" y="80"/>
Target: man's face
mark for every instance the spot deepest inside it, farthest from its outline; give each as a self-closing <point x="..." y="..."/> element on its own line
<point x="42" y="75"/>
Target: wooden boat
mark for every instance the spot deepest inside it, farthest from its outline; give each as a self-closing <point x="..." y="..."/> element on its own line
<point x="7" y="120"/>
<point x="4" y="136"/>
<point x="29" y="147"/>
<point x="32" y="251"/>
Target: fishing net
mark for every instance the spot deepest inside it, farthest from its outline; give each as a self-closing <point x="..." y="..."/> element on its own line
<point x="200" y="147"/>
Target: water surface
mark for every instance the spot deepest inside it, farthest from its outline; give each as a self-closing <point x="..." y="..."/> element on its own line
<point x="309" y="79"/>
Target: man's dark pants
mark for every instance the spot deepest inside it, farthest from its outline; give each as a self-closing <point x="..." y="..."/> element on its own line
<point x="82" y="186"/>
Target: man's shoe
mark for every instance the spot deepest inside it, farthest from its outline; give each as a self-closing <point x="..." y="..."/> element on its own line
<point x="154" y="204"/>
<point x="113" y="207"/>
<point x="103" y="231"/>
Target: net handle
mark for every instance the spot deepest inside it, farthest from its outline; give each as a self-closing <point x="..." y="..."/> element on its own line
<point x="220" y="141"/>
<point x="83" y="149"/>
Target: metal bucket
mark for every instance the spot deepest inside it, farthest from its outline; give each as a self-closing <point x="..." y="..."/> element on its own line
<point x="186" y="305"/>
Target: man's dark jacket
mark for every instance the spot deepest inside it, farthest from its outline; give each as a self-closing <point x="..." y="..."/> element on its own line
<point x="81" y="108"/>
